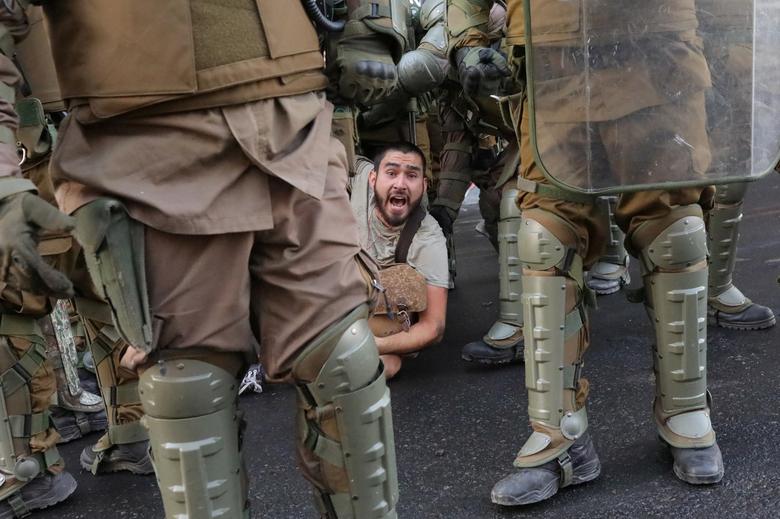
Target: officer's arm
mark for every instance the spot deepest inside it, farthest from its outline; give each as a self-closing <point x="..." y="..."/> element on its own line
<point x="467" y="24"/>
<point x="23" y="215"/>
<point x="427" y="331"/>
<point x="13" y="27"/>
<point x="373" y="40"/>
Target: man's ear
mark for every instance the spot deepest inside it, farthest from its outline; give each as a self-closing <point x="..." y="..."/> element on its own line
<point x="372" y="178"/>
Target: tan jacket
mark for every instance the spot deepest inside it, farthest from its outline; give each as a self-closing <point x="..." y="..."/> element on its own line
<point x="126" y="55"/>
<point x="562" y="22"/>
<point x="625" y="73"/>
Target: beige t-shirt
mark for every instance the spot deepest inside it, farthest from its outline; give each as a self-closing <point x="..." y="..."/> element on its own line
<point x="428" y="250"/>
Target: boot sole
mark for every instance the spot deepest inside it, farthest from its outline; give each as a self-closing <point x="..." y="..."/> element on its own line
<point x="707" y="479"/>
<point x="491" y="362"/>
<point x="758" y="325"/>
<point x="606" y="291"/>
<point x="58" y="493"/>
<point x="141" y="468"/>
<point x="584" y="473"/>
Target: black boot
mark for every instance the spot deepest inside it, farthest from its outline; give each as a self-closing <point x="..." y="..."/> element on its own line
<point x="531" y="485"/>
<point x="698" y="466"/>
<point x="750" y="316"/>
<point x="132" y="457"/>
<point x="42" y="492"/>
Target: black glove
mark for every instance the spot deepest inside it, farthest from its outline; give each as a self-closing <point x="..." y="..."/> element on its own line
<point x="22" y="217"/>
<point x="481" y="70"/>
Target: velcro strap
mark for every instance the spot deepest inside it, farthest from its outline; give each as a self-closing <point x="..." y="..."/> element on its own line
<point x="372" y="10"/>
<point x="573" y="322"/>
<point x="322" y="446"/>
<point x="25" y="368"/>
<point x="18" y="505"/>
<point x="464" y="175"/>
<point x="20" y="326"/>
<point x="27" y="425"/>
<point x="571" y="374"/>
<point x="550" y="191"/>
<point x="130" y="432"/>
<point x="100" y="351"/>
<point x="462" y="147"/>
<point x="567" y="470"/>
<point x="51" y="457"/>
<point x="122" y="395"/>
<point x="82" y="422"/>
<point x="95" y="310"/>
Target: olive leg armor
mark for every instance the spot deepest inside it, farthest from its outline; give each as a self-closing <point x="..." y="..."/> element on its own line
<point x="555" y="339"/>
<point x="119" y="390"/>
<point x="345" y="424"/>
<point x="113" y="246"/>
<point x="610" y="273"/>
<point x="728" y="306"/>
<point x="25" y="380"/>
<point x="507" y="331"/>
<point x="195" y="439"/>
<point x="674" y="270"/>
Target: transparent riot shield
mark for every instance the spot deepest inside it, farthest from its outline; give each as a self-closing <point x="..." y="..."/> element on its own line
<point x="628" y="95"/>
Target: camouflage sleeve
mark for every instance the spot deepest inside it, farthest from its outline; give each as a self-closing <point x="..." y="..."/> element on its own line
<point x="13" y="27"/>
<point x="467" y="23"/>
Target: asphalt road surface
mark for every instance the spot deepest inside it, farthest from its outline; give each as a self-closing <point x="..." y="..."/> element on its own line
<point x="458" y="426"/>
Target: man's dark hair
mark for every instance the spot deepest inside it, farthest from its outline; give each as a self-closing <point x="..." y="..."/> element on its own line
<point x="403" y="147"/>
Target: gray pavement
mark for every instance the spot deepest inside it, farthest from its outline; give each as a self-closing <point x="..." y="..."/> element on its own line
<point x="458" y="426"/>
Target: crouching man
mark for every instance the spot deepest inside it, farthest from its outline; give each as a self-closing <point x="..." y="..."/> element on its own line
<point x="409" y="247"/>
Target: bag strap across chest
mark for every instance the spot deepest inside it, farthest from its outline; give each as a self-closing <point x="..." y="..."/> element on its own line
<point x="407" y="234"/>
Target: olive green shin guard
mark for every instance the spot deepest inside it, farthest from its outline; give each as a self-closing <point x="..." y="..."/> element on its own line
<point x="119" y="393"/>
<point x="675" y="277"/>
<point x="194" y="430"/>
<point x="22" y="361"/>
<point x="507" y="330"/>
<point x="346" y="430"/>
<point x="113" y="246"/>
<point x="722" y="235"/>
<point x="554" y="342"/>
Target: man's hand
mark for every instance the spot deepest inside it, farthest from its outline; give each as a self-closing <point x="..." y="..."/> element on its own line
<point x="22" y="217"/>
<point x="132" y="357"/>
<point x="367" y="73"/>
<point x="481" y="70"/>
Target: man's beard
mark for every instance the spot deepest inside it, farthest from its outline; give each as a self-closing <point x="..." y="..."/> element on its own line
<point x="393" y="219"/>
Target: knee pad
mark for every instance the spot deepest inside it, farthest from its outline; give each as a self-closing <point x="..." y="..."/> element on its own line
<point x="678" y="247"/>
<point x="345" y="422"/>
<point x="194" y="430"/>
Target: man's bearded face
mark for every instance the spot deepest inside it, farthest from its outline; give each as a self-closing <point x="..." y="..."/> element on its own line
<point x="399" y="186"/>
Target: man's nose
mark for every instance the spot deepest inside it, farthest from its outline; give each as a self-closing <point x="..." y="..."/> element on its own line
<point x="400" y="182"/>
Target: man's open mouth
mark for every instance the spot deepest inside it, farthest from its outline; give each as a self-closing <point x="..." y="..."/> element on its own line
<point x="398" y="201"/>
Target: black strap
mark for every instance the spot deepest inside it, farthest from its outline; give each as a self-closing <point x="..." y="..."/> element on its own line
<point x="407" y="234"/>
